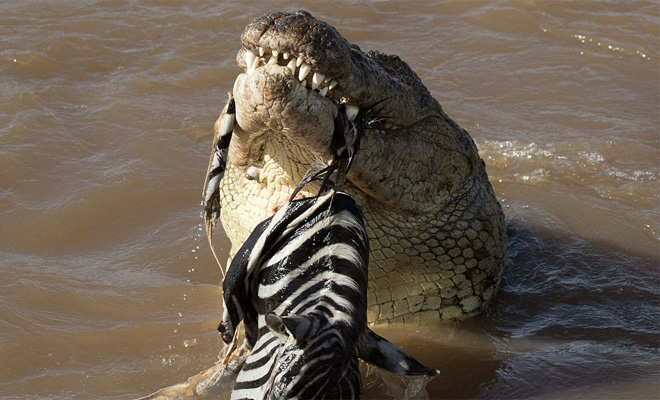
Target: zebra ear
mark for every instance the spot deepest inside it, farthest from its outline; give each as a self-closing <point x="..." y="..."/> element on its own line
<point x="382" y="353"/>
<point x="292" y="326"/>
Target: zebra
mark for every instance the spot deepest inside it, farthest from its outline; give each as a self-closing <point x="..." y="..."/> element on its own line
<point x="299" y="284"/>
<point x="223" y="130"/>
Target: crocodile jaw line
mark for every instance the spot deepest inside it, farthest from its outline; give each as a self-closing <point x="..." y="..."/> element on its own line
<point x="314" y="81"/>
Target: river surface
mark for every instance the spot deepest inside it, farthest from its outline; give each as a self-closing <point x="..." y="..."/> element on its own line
<point x="108" y="288"/>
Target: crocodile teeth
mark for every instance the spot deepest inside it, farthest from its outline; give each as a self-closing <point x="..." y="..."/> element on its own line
<point x="255" y="63"/>
<point x="249" y="59"/>
<point x="317" y="79"/>
<point x="292" y="66"/>
<point x="352" y="111"/>
<point x="304" y="70"/>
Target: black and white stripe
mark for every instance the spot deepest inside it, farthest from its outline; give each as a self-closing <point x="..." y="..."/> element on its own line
<point x="224" y="128"/>
<point x="299" y="282"/>
<point x="223" y="131"/>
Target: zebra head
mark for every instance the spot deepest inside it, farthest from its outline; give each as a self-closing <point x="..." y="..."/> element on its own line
<point x="314" y="360"/>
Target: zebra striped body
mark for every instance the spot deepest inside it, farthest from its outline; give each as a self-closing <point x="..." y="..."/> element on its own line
<point x="301" y="275"/>
<point x="299" y="282"/>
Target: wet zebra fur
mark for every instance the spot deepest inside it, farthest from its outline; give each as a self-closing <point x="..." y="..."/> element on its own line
<point x="298" y="277"/>
<point x="299" y="284"/>
<point x="223" y="130"/>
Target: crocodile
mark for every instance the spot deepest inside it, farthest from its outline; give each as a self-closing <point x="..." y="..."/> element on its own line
<point x="437" y="231"/>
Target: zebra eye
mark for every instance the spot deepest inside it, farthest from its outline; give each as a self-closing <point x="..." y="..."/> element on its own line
<point x="281" y="329"/>
<point x="276" y="324"/>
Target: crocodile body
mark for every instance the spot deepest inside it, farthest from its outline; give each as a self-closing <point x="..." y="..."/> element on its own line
<point x="436" y="230"/>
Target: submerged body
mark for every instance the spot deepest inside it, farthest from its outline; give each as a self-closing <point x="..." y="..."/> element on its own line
<point x="436" y="228"/>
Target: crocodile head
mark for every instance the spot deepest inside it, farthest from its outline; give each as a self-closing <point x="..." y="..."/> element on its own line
<point x="299" y="69"/>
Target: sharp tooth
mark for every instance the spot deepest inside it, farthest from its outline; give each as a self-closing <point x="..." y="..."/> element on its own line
<point x="317" y="79"/>
<point x="323" y="91"/>
<point x="304" y="70"/>
<point x="285" y="55"/>
<point x="292" y="66"/>
<point x="299" y="61"/>
<point x="333" y="83"/>
<point x="272" y="60"/>
<point x="276" y="53"/>
<point x="261" y="51"/>
<point x="352" y="111"/>
<point x="249" y="59"/>
<point x="255" y="63"/>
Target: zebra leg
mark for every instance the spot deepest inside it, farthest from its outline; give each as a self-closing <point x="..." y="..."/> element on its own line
<point x="223" y="128"/>
<point x="236" y="296"/>
<point x="382" y="353"/>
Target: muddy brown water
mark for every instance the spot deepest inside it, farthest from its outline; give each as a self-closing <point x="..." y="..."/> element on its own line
<point x="108" y="288"/>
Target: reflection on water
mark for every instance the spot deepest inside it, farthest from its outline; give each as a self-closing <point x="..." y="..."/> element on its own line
<point x="109" y="289"/>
